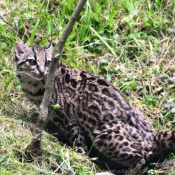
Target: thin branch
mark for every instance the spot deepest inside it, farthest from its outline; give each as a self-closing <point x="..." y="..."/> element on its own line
<point x="7" y="22"/>
<point x="36" y="142"/>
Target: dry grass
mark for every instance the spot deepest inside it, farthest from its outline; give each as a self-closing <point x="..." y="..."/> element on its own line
<point x="55" y="159"/>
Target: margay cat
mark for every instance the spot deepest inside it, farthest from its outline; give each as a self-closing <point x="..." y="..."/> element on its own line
<point x="91" y="107"/>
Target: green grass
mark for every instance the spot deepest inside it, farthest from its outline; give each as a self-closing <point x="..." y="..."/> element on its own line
<point x="128" y="42"/>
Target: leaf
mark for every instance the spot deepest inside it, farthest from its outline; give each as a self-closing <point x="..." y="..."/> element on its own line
<point x="109" y="77"/>
<point x="56" y="106"/>
<point x="2" y="29"/>
<point x="18" y="87"/>
<point x="104" y="61"/>
<point x="94" y="158"/>
<point x="173" y="110"/>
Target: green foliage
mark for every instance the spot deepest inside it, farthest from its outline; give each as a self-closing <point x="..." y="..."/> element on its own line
<point x="56" y="106"/>
<point x="128" y="42"/>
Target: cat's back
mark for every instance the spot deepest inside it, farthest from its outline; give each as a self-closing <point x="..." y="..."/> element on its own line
<point x="95" y="100"/>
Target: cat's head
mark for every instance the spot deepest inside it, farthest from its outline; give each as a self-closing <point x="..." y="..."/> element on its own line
<point x="32" y="61"/>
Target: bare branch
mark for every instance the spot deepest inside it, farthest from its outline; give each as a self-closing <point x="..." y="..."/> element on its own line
<point x="6" y="22"/>
<point x="36" y="142"/>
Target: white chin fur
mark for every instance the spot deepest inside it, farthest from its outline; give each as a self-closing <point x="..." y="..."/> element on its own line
<point x="34" y="76"/>
<point x="37" y="78"/>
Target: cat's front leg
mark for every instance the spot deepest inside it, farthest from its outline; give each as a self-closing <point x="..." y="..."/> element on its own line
<point x="75" y="135"/>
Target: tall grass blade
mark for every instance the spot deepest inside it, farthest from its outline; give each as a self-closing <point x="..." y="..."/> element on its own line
<point x="34" y="32"/>
<point x="107" y="45"/>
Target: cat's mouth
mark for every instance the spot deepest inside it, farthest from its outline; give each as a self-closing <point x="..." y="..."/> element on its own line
<point x="38" y="76"/>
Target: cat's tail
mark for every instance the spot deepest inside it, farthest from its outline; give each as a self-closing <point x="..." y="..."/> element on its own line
<point x="165" y="140"/>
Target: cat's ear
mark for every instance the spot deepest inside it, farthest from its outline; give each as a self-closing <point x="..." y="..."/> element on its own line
<point x="49" y="46"/>
<point x="19" y="49"/>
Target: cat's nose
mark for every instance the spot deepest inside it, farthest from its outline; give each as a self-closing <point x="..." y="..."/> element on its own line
<point x="41" y="70"/>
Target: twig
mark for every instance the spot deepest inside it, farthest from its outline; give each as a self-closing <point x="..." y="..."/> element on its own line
<point x="6" y="22"/>
<point x="43" y="110"/>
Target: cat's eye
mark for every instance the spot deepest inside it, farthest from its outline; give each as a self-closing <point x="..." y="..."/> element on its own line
<point x="47" y="63"/>
<point x="32" y="62"/>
